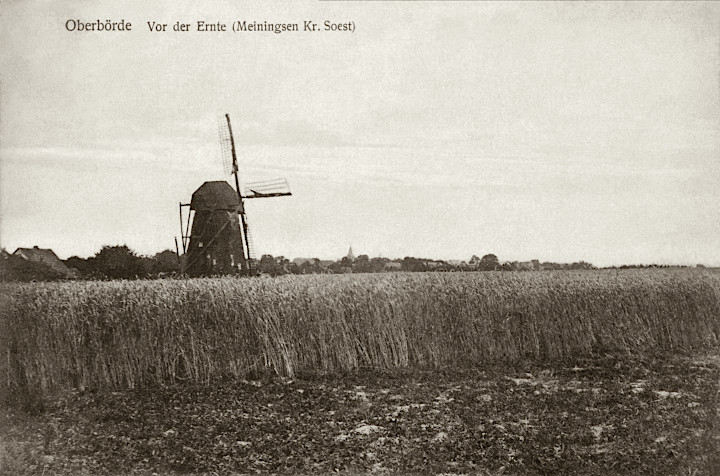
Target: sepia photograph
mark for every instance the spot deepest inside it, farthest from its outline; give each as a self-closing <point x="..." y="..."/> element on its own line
<point x="457" y="237"/>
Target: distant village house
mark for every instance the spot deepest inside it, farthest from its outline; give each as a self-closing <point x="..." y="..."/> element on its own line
<point x="48" y="258"/>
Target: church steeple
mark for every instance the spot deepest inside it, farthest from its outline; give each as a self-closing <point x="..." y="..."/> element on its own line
<point x="350" y="254"/>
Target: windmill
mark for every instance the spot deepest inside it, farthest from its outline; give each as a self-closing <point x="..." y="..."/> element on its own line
<point x="219" y="241"/>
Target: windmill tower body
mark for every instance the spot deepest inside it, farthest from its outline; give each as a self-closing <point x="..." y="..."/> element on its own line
<point x="219" y="242"/>
<point x="215" y="245"/>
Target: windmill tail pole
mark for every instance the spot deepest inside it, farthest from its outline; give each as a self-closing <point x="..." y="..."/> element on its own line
<point x="181" y="231"/>
<point x="177" y="252"/>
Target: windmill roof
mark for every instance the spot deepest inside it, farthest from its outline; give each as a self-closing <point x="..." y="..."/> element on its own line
<point x="215" y="195"/>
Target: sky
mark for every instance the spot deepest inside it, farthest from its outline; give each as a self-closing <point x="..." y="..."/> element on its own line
<point x="557" y="131"/>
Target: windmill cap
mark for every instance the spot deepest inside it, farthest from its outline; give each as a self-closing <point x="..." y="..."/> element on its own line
<point x="215" y="195"/>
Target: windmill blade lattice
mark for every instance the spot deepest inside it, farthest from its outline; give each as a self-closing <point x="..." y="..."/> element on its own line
<point x="250" y="242"/>
<point x="267" y="188"/>
<point x="229" y="166"/>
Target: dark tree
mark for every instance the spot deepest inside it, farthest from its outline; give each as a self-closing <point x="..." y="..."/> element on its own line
<point x="377" y="265"/>
<point x="362" y="264"/>
<point x="119" y="262"/>
<point x="581" y="265"/>
<point x="316" y="266"/>
<point x="283" y="264"/>
<point x="413" y="264"/>
<point x="268" y="265"/>
<point x="164" y="262"/>
<point x="274" y="266"/>
<point x="489" y="263"/>
<point x="85" y="266"/>
<point x="311" y="266"/>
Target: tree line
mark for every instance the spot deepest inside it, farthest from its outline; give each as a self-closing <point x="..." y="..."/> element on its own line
<point x="111" y="262"/>
<point x="121" y="262"/>
<point x="276" y="266"/>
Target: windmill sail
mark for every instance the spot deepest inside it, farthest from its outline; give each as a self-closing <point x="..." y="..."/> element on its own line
<point x="268" y="188"/>
<point x="226" y="147"/>
<point x="250" y="245"/>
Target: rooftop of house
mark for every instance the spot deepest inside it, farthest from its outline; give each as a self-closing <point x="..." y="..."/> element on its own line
<point x="45" y="256"/>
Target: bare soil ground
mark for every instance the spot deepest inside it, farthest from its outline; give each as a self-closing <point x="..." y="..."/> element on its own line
<point x="605" y="415"/>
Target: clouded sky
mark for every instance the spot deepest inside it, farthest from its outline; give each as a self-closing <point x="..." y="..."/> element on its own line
<point x="557" y="131"/>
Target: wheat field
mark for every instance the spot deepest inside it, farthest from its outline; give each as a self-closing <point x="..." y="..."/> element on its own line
<point x="125" y="334"/>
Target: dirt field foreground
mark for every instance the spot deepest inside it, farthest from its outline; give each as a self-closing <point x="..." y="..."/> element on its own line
<point x="603" y="415"/>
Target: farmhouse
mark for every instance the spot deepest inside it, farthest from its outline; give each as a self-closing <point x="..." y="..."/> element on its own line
<point x="533" y="265"/>
<point x="48" y="258"/>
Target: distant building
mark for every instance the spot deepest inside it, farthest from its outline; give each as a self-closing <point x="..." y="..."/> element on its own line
<point x="393" y="266"/>
<point x="350" y="256"/>
<point x="48" y="258"/>
<point x="533" y="265"/>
